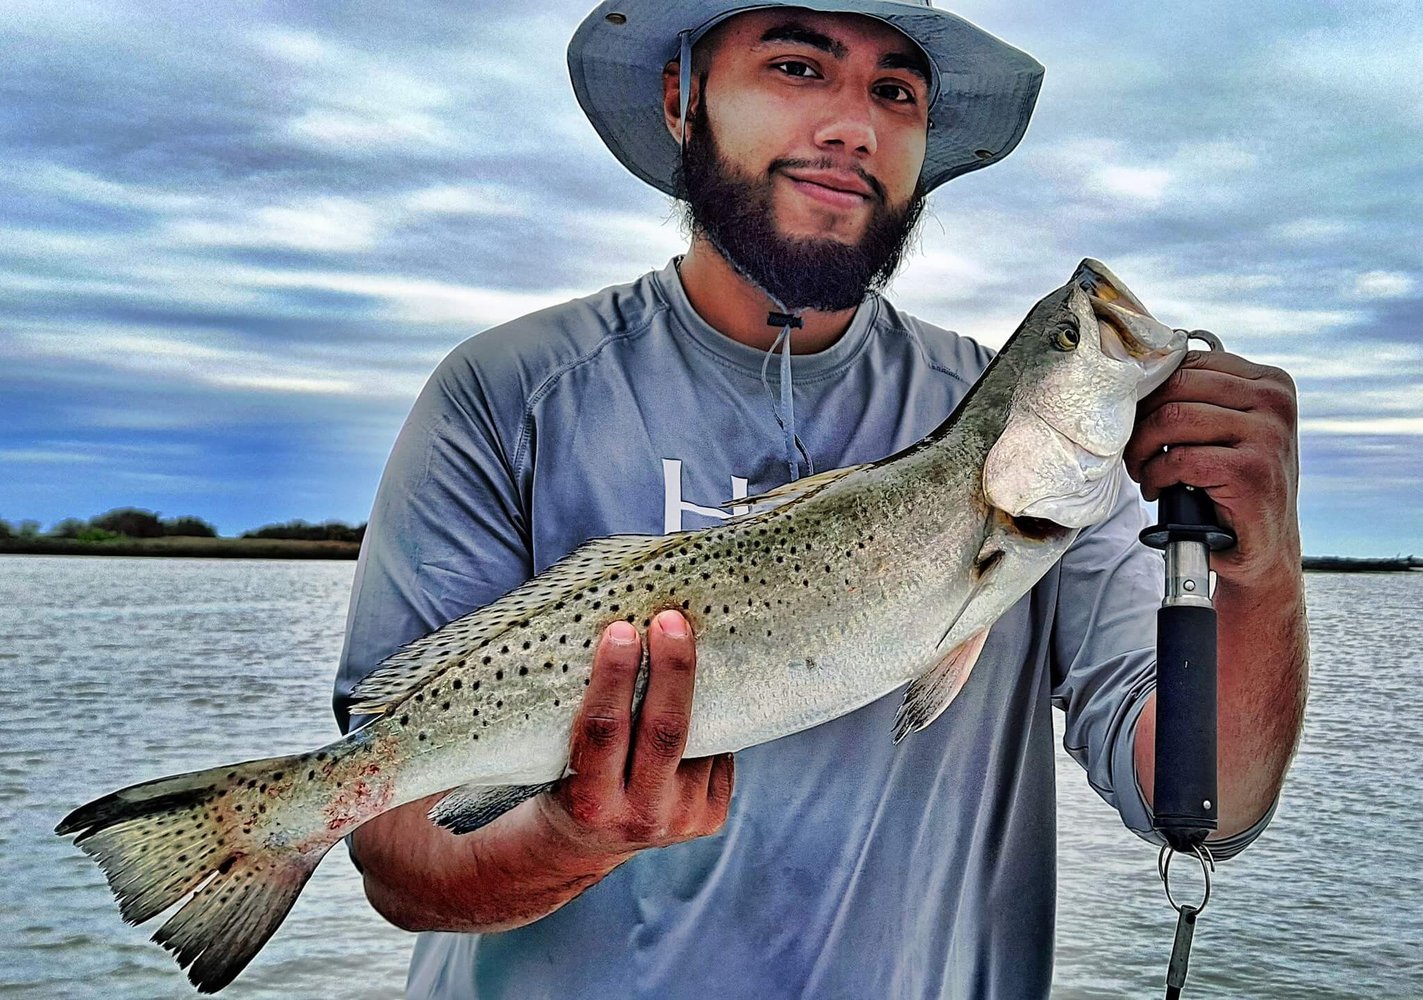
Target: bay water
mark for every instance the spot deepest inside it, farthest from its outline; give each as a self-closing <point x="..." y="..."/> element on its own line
<point x="117" y="670"/>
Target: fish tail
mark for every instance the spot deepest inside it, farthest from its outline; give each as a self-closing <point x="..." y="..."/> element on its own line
<point x="196" y="836"/>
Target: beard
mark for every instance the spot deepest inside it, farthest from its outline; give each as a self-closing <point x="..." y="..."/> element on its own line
<point x="734" y="212"/>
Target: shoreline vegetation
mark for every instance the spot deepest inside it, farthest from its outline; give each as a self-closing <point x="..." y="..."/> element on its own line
<point x="134" y="531"/>
<point x="200" y="548"/>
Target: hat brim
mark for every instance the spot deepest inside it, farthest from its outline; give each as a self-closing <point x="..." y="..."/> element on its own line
<point x="986" y="87"/>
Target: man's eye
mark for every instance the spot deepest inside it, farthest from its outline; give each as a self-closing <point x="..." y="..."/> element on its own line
<point x="896" y="92"/>
<point x="796" y="68"/>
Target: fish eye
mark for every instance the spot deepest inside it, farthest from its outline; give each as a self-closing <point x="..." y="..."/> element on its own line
<point x="1065" y="337"/>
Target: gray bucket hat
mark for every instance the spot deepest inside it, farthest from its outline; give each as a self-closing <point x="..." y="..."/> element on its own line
<point x="982" y="90"/>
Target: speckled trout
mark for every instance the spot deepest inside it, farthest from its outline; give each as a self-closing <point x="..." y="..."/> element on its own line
<point x="833" y="591"/>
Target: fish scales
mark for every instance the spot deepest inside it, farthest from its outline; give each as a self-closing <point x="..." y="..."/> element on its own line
<point x="854" y="588"/>
<point x="845" y="586"/>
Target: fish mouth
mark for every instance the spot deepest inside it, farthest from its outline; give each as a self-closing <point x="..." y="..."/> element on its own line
<point x="1128" y="331"/>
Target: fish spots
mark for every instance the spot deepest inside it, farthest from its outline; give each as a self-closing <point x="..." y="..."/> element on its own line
<point x="457" y="684"/>
<point x="499" y="675"/>
<point x="523" y="671"/>
<point x="359" y="802"/>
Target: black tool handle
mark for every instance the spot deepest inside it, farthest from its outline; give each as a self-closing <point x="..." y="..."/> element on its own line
<point x="1187" y="514"/>
<point x="1184" y="798"/>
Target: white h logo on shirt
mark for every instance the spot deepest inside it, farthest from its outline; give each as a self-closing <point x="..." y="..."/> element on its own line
<point x="673" y="505"/>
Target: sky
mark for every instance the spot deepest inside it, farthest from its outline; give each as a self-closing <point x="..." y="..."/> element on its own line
<point x="235" y="238"/>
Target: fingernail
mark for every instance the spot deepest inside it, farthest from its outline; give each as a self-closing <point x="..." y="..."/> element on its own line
<point x="674" y="626"/>
<point x="622" y="634"/>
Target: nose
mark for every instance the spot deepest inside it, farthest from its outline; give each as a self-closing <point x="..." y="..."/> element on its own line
<point x="847" y="124"/>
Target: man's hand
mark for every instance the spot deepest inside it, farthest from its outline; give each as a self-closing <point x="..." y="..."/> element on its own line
<point x="629" y="788"/>
<point x="1231" y="427"/>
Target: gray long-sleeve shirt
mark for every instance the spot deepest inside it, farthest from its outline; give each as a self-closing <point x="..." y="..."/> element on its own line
<point x="848" y="867"/>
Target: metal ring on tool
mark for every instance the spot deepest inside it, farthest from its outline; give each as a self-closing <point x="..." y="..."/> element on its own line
<point x="1163" y="868"/>
<point x="1211" y="341"/>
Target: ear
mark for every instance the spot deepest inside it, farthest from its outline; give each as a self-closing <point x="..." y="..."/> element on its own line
<point x="672" y="99"/>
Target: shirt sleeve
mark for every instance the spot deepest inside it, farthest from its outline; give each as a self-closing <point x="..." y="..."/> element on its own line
<point x="1104" y="661"/>
<point x="448" y="532"/>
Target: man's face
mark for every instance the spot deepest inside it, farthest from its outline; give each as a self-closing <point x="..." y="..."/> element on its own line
<point x="804" y="152"/>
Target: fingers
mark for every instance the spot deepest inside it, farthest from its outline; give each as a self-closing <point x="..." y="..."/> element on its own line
<point x="1214" y="400"/>
<point x="1230" y="427"/>
<point x="602" y="730"/>
<point x="1221" y="388"/>
<point x="719" y="785"/>
<point x="666" y="713"/>
<point x="1179" y="424"/>
<point x="630" y="788"/>
<point x="1204" y="467"/>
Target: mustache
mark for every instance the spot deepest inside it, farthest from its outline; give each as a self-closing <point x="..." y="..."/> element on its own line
<point x="826" y="163"/>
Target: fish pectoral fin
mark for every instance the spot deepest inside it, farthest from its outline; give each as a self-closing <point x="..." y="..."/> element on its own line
<point x="794" y="490"/>
<point x="469" y="807"/>
<point x="932" y="692"/>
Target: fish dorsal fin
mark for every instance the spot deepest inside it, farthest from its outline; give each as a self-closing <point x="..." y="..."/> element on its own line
<point x="930" y="693"/>
<point x="412" y="666"/>
<point x="795" y="490"/>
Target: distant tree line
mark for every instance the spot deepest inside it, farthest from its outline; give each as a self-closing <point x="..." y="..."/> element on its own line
<point x="329" y="531"/>
<point x="135" y="522"/>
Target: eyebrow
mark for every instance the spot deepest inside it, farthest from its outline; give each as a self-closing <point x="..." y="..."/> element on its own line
<point x="793" y="31"/>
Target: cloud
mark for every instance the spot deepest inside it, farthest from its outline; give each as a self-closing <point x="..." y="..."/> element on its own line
<point x="253" y="230"/>
<point x="1383" y="285"/>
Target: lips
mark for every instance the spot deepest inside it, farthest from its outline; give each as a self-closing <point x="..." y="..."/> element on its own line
<point x="832" y="187"/>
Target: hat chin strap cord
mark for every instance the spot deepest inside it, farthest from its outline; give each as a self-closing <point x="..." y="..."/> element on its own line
<point x="785" y="413"/>
<point x="780" y="316"/>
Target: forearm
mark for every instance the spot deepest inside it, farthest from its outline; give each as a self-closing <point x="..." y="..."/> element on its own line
<point x="510" y="873"/>
<point x="1263" y="655"/>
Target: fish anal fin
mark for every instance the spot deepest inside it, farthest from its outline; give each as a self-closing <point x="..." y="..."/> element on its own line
<point x="794" y="490"/>
<point x="469" y="807"/>
<point x="929" y="694"/>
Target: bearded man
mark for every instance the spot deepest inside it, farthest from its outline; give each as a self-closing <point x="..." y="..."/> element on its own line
<point x="803" y="141"/>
